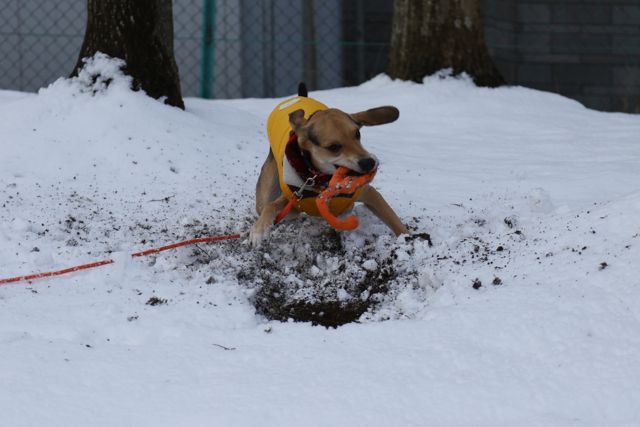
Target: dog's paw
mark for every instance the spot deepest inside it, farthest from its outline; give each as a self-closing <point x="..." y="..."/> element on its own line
<point x="256" y="235"/>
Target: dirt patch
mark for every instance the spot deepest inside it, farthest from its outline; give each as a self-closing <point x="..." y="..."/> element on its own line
<point x="310" y="273"/>
<point x="153" y="301"/>
<point x="328" y="305"/>
<point x="306" y="272"/>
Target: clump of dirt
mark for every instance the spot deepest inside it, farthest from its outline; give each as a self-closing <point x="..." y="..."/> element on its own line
<point x="326" y="313"/>
<point x="153" y="301"/>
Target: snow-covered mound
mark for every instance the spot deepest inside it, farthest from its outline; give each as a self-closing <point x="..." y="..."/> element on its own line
<point x="523" y="312"/>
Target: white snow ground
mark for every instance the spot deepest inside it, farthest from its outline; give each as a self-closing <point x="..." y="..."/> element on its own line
<point x="520" y="185"/>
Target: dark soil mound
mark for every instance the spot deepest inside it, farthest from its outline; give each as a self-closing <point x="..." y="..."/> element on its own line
<point x="310" y="276"/>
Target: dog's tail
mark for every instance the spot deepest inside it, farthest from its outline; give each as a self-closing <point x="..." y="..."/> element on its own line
<point x="302" y="89"/>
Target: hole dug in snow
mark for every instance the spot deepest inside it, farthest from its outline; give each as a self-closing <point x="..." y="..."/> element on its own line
<point x="324" y="277"/>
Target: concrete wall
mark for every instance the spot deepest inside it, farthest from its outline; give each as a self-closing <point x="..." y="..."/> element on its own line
<point x="501" y="35"/>
<point x="588" y="50"/>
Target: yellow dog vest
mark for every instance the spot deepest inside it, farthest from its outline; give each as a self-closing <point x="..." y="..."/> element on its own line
<point x="279" y="132"/>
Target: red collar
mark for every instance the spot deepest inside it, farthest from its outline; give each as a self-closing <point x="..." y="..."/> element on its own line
<point x="301" y="163"/>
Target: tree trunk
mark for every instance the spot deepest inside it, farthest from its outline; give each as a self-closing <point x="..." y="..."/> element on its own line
<point x="429" y="35"/>
<point x="141" y="33"/>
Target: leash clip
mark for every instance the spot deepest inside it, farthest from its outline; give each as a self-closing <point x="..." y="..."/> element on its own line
<point x="310" y="182"/>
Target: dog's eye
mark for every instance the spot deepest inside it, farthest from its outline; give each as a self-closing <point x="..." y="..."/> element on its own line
<point x="334" y="148"/>
<point x="357" y="133"/>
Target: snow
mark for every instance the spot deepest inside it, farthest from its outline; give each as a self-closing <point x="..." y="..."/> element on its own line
<point x="527" y="194"/>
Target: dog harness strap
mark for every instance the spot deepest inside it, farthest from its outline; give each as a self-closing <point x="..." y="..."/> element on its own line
<point x="310" y="182"/>
<point x="301" y="165"/>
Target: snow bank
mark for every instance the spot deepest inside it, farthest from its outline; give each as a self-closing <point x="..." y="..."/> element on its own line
<point x="523" y="312"/>
<point x="101" y="75"/>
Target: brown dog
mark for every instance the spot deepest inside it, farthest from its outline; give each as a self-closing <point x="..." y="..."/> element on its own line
<point x="326" y="138"/>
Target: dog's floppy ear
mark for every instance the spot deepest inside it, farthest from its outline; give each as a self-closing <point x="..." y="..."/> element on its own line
<point x="376" y="116"/>
<point x="297" y="120"/>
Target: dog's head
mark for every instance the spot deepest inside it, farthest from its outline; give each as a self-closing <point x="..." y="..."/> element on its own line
<point x="331" y="137"/>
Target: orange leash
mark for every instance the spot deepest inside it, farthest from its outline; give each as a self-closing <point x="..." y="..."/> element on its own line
<point x="110" y="261"/>
<point x="186" y="243"/>
<point x="294" y="199"/>
<point x="55" y="273"/>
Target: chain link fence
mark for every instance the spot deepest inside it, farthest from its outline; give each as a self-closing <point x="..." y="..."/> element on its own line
<point x="224" y="48"/>
<point x="583" y="49"/>
<point x="39" y="41"/>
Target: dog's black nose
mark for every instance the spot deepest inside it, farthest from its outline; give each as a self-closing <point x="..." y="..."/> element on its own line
<point x="366" y="164"/>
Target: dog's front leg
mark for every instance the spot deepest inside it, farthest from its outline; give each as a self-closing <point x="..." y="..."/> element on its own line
<point x="265" y="220"/>
<point x="380" y="208"/>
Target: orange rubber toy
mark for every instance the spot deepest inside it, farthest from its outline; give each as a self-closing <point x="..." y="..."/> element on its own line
<point x="342" y="183"/>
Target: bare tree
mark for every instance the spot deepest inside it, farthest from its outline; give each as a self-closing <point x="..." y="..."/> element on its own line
<point x="141" y="33"/>
<point x="429" y="35"/>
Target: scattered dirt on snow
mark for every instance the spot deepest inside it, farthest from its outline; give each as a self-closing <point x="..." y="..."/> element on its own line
<point x="305" y="271"/>
<point x="156" y="301"/>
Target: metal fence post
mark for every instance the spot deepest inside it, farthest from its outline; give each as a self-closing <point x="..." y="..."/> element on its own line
<point x="360" y="18"/>
<point x="208" y="50"/>
<point x="309" y="44"/>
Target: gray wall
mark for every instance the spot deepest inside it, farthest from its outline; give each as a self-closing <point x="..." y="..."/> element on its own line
<point x="586" y="49"/>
